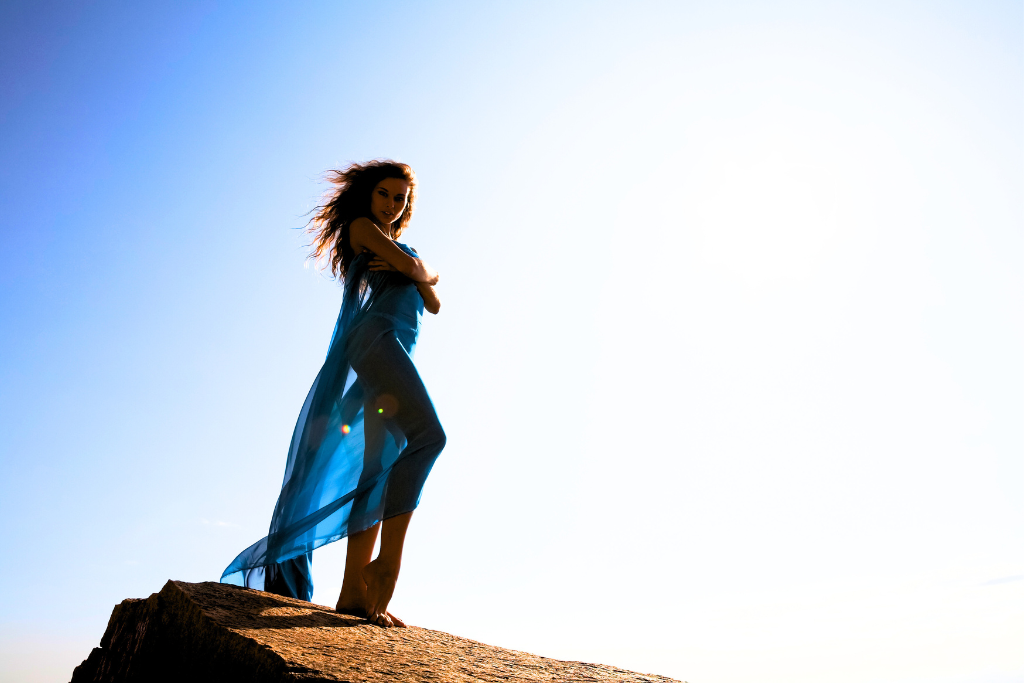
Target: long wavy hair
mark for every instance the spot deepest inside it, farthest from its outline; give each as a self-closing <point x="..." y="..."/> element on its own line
<point x="349" y="200"/>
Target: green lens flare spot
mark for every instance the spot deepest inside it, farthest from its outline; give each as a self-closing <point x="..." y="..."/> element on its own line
<point x="380" y="410"/>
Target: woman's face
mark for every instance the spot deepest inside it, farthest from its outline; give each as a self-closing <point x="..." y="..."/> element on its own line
<point x="389" y="199"/>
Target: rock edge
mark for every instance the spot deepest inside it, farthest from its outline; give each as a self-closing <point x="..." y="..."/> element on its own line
<point x="216" y="632"/>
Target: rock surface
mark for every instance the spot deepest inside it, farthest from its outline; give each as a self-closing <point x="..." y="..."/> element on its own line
<point x="215" y="632"/>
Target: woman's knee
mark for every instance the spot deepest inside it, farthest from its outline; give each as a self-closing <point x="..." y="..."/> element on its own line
<point x="434" y="438"/>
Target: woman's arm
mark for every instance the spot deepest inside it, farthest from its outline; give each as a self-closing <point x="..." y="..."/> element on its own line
<point x="431" y="301"/>
<point x="364" y="235"/>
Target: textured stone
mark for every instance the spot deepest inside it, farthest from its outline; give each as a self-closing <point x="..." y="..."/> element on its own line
<point x="214" y="632"/>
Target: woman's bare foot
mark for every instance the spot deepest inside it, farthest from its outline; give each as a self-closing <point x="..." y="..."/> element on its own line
<point x="351" y="610"/>
<point x="352" y="600"/>
<point x="380" y="581"/>
<point x="358" y="609"/>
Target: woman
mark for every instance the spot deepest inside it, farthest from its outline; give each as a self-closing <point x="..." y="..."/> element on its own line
<point x="367" y="435"/>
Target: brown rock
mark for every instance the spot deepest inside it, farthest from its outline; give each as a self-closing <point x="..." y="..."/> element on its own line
<point x="215" y="632"/>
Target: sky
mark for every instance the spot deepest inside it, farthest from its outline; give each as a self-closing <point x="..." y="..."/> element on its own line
<point x="729" y="354"/>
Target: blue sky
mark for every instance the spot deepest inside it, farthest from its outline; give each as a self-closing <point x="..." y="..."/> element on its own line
<point x="729" y="358"/>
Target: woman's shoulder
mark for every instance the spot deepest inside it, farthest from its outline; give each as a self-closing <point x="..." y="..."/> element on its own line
<point x="362" y="223"/>
<point x="360" y="231"/>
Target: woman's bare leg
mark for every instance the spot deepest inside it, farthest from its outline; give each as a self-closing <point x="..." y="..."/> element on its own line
<point x="358" y="555"/>
<point x="381" y="575"/>
<point x="388" y="375"/>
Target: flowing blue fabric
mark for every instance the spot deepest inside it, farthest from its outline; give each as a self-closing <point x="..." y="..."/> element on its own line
<point x="365" y="441"/>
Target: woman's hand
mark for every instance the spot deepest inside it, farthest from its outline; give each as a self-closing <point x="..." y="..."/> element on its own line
<point x="431" y="301"/>
<point x="377" y="263"/>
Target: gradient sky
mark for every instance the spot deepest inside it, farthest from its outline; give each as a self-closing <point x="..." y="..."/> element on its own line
<point x="729" y="359"/>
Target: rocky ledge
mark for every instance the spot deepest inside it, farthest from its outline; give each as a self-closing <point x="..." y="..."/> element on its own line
<point x="214" y="632"/>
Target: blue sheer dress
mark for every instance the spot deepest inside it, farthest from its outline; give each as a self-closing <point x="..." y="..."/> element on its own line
<point x="365" y="440"/>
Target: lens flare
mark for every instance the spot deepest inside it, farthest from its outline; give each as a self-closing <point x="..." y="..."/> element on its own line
<point x="386" y="406"/>
<point x="345" y="429"/>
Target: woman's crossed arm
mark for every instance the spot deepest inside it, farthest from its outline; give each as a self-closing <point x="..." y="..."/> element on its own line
<point x="364" y="235"/>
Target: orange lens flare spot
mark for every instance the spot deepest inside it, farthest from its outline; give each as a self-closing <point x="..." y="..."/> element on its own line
<point x="345" y="429"/>
<point x="386" y="406"/>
